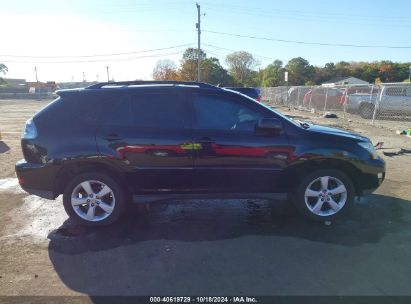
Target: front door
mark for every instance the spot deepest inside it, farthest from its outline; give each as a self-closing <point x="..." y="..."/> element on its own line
<point x="230" y="156"/>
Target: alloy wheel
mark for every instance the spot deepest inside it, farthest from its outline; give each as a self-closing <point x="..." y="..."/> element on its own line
<point x="325" y="196"/>
<point x="93" y="200"/>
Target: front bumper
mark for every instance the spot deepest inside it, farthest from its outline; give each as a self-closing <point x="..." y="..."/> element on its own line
<point x="372" y="176"/>
<point x="37" y="179"/>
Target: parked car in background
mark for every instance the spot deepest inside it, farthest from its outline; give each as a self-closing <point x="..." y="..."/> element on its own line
<point x="388" y="100"/>
<point x="251" y="92"/>
<point x="321" y="97"/>
<point x="111" y="144"/>
<point x="295" y="95"/>
<point x="354" y="97"/>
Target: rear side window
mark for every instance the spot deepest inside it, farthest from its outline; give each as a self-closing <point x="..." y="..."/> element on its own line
<point x="159" y="111"/>
<point x="149" y="111"/>
<point x="120" y="114"/>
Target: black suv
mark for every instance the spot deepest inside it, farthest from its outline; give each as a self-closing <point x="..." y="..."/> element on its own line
<point x="114" y="143"/>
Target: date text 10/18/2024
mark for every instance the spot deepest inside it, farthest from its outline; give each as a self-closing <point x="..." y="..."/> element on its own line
<point x="240" y="299"/>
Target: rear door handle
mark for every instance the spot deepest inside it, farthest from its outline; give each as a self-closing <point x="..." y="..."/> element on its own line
<point x="112" y="137"/>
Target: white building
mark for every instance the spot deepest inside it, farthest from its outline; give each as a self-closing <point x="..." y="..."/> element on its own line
<point x="344" y="81"/>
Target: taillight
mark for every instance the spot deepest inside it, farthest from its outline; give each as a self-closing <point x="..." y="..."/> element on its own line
<point x="30" y="131"/>
<point x="21" y="180"/>
<point x="258" y="98"/>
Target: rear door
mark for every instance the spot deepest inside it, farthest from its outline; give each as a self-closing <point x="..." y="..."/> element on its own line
<point x="230" y="155"/>
<point x="149" y="136"/>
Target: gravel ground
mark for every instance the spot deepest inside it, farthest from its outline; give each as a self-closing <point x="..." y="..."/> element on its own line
<point x="231" y="247"/>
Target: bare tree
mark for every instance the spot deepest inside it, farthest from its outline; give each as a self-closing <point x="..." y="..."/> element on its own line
<point x="165" y="69"/>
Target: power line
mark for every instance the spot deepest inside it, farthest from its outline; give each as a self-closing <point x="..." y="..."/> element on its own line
<point x="262" y="10"/>
<point x="97" y="60"/>
<point x="231" y="50"/>
<point x="314" y="19"/>
<point x="100" y="55"/>
<point x="309" y="43"/>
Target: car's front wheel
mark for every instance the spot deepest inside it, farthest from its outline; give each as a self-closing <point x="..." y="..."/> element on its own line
<point x="94" y="199"/>
<point x="324" y="194"/>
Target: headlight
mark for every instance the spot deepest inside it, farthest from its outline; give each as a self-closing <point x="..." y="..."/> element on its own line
<point x="370" y="148"/>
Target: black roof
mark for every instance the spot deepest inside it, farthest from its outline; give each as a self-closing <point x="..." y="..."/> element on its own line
<point x="150" y="82"/>
<point x="131" y="85"/>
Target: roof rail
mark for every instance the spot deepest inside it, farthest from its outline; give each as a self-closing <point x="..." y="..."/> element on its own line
<point x="149" y="82"/>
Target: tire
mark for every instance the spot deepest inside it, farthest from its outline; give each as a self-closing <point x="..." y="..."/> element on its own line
<point x="105" y="210"/>
<point x="366" y="110"/>
<point x="330" y="206"/>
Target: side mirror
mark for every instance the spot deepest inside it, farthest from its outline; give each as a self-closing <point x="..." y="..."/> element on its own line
<point x="269" y="125"/>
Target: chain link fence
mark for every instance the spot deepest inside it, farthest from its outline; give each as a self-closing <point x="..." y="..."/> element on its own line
<point x="387" y="103"/>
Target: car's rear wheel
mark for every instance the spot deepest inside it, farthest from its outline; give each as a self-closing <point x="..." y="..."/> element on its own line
<point x="94" y="199"/>
<point x="324" y="194"/>
<point x="366" y="110"/>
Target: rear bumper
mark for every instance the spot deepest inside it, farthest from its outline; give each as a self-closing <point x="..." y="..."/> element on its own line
<point x="37" y="179"/>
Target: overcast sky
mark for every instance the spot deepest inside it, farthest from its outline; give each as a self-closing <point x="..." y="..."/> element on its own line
<point x="62" y="38"/>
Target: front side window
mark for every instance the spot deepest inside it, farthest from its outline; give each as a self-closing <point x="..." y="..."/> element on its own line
<point x="218" y="113"/>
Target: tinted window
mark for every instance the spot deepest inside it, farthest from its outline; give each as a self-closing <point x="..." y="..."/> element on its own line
<point x="120" y="114"/>
<point x="75" y="109"/>
<point x="218" y="113"/>
<point x="158" y="111"/>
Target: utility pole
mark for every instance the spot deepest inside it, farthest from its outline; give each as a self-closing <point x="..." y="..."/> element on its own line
<point x="198" y="26"/>
<point x="35" y="70"/>
<point x="108" y="74"/>
<point x="84" y="77"/>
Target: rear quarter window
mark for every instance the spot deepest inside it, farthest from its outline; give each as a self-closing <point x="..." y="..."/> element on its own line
<point x="72" y="111"/>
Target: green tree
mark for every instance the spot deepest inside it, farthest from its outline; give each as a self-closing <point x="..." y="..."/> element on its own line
<point x="212" y="72"/>
<point x="273" y="74"/>
<point x="188" y="68"/>
<point x="342" y="69"/>
<point x="241" y="67"/>
<point x="370" y="71"/>
<point x="299" y="71"/>
<point x="3" y="70"/>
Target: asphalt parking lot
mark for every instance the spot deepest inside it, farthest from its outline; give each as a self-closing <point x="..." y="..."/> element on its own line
<point x="206" y="247"/>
